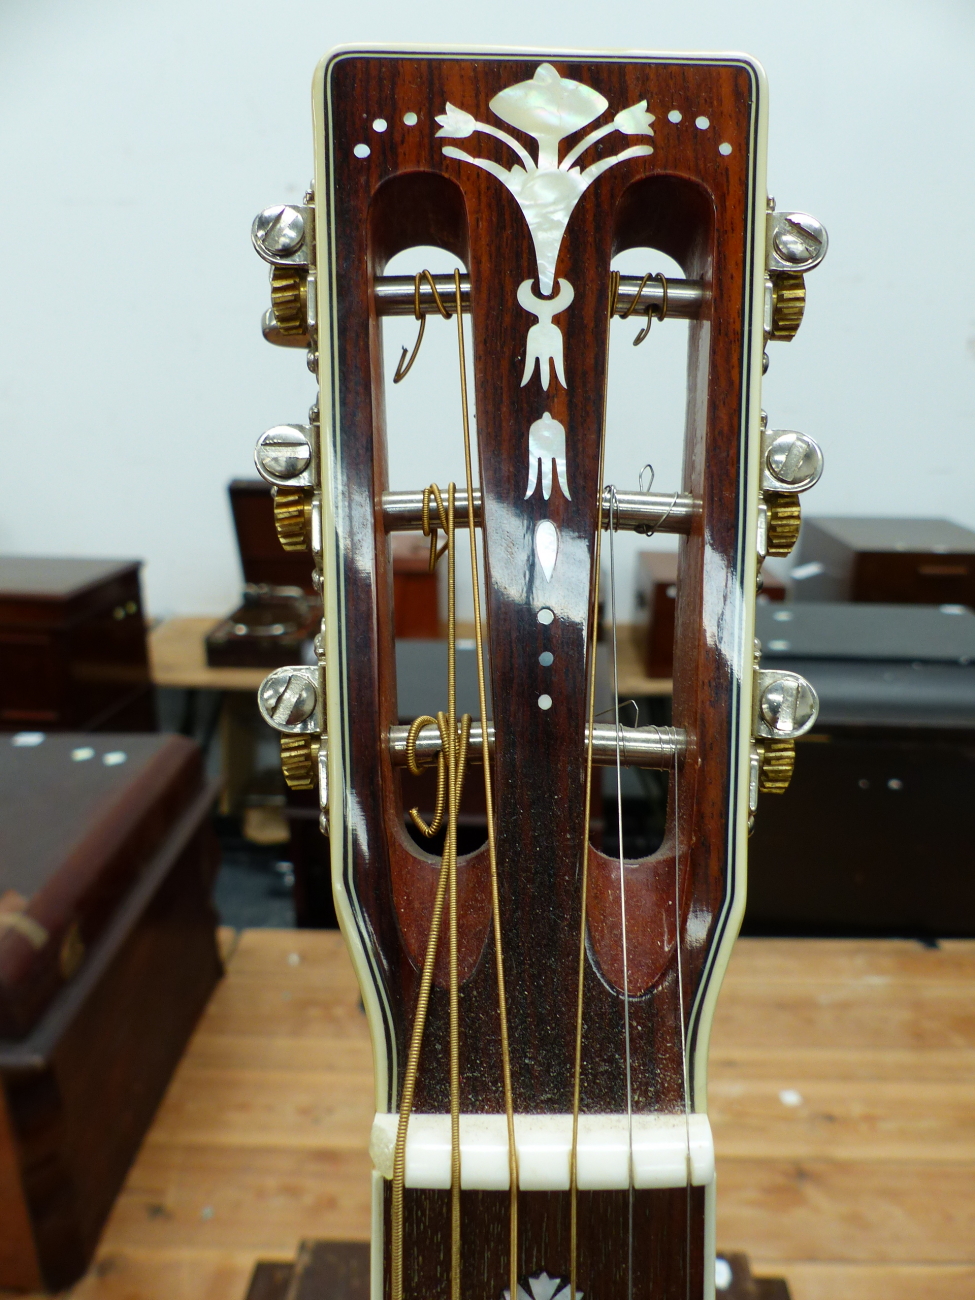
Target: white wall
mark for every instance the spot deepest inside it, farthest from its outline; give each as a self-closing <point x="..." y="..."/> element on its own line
<point x="139" y="137"/>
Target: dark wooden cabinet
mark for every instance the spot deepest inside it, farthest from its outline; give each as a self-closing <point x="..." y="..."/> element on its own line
<point x="73" y="646"/>
<point x="107" y="956"/>
<point x="892" y="561"/>
<point x="874" y="836"/>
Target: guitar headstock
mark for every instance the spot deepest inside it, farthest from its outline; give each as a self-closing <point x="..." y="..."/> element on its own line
<point x="537" y="987"/>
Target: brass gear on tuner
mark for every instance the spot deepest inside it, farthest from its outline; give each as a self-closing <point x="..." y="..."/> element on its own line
<point x="778" y="761"/>
<point x="289" y="299"/>
<point x="299" y="762"/>
<point x="292" y="518"/>
<point x="784" y="520"/>
<point x="788" y="304"/>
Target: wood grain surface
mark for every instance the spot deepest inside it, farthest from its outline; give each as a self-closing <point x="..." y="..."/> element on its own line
<point x="261" y="1140"/>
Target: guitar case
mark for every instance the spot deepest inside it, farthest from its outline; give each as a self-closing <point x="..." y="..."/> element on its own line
<point x="107" y="957"/>
<point x="79" y="818"/>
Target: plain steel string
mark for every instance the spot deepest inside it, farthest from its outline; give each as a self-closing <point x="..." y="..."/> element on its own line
<point x="613" y="522"/>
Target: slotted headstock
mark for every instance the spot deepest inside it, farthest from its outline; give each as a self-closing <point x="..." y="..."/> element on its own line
<point x="535" y="171"/>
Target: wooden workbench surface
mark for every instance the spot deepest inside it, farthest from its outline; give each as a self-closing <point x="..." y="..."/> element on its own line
<point x="177" y="657"/>
<point x="842" y="1099"/>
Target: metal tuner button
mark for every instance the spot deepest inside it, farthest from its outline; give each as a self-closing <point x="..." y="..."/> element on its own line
<point x="786" y="707"/>
<point x="285" y="456"/>
<point x="291" y="699"/>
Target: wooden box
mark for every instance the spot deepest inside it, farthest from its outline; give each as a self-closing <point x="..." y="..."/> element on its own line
<point x="277" y="618"/>
<point x="79" y="1087"/>
<point x="73" y="646"/>
<point x="893" y="561"/>
<point x="263" y="559"/>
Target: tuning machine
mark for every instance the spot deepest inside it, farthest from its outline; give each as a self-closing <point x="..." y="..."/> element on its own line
<point x="785" y="707"/>
<point x="796" y="244"/>
<point x="292" y="701"/>
<point x="287" y="458"/>
<point x="284" y="236"/>
<point x="792" y="462"/>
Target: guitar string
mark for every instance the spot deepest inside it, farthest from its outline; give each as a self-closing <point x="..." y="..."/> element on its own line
<point x="584" y="866"/>
<point x="489" y="807"/>
<point x="447" y="874"/>
<point x="613" y="524"/>
<point x="450" y="862"/>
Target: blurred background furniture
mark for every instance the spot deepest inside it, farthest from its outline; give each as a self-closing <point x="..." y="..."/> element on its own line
<point x="73" y="645"/>
<point x="107" y="957"/>
<point x="416" y="602"/>
<point x="279" y="614"/>
<point x="656" y="592"/>
<point x="876" y="832"/>
<point x="897" y="561"/>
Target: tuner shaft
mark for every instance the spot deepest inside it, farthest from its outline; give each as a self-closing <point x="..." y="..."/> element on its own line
<point x="396" y="295"/>
<point x="639" y="746"/>
<point x="657" y="512"/>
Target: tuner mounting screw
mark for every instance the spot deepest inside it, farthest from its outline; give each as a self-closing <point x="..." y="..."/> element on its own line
<point x="793" y="459"/>
<point x="284" y="452"/>
<point x="798" y="239"/>
<point x="784" y="520"/>
<point x="299" y="761"/>
<point x="292" y="518"/>
<point x="777" y="761"/>
<point x="281" y="230"/>
<point x="288" y="697"/>
<point x="787" y="704"/>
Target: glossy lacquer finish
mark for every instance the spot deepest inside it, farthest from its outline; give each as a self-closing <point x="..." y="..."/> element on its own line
<point x="693" y="202"/>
